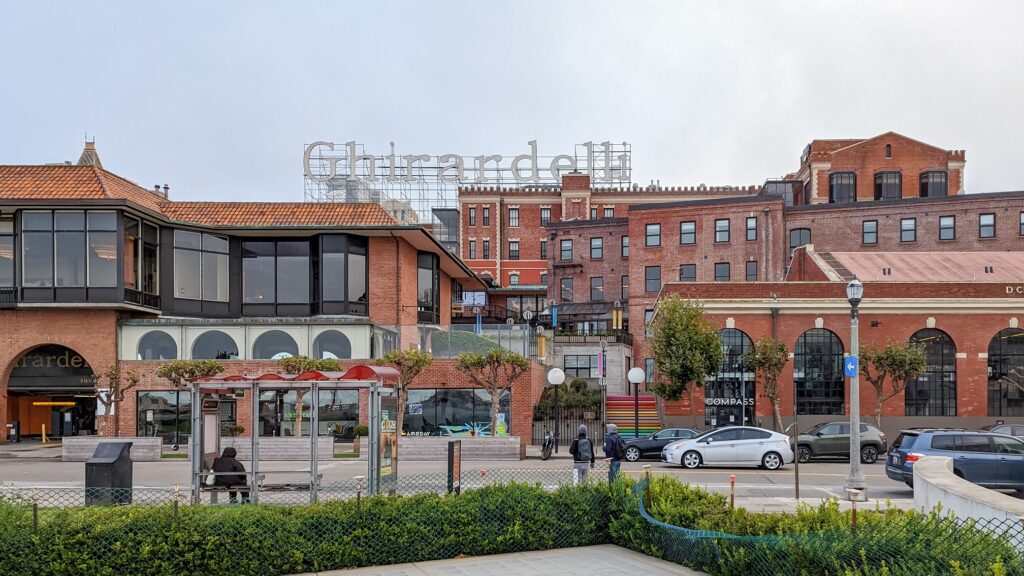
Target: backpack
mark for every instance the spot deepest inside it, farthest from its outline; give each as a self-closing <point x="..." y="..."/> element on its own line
<point x="620" y="447"/>
<point x="585" y="449"/>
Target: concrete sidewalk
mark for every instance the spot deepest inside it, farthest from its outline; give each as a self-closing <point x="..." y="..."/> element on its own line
<point x="603" y="560"/>
<point x="770" y="504"/>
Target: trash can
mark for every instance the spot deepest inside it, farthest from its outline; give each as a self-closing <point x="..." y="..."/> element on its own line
<point x="14" y="431"/>
<point x="108" y="475"/>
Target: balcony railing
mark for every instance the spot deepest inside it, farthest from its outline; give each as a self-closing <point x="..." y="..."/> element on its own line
<point x="489" y="314"/>
<point x="620" y="336"/>
<point x="141" y="298"/>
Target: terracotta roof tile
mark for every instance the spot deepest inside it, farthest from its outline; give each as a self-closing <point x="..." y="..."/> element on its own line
<point x="278" y="214"/>
<point x="67" y="182"/>
<point x="930" y="266"/>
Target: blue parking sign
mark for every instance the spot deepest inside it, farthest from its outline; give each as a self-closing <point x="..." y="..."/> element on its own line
<point x="850" y="366"/>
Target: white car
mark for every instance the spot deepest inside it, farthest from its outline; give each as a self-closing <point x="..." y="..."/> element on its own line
<point x="732" y="445"/>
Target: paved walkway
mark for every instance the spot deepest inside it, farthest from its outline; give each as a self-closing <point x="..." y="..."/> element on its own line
<point x="605" y="560"/>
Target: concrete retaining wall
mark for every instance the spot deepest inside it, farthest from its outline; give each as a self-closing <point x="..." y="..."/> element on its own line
<point x="81" y="448"/>
<point x="411" y="448"/>
<point x="280" y="448"/>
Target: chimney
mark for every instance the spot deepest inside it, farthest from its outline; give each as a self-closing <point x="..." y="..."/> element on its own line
<point x="167" y="191"/>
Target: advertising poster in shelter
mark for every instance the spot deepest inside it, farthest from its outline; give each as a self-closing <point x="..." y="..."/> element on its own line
<point x="388" y="442"/>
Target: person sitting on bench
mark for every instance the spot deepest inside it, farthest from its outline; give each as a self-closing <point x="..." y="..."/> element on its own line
<point x="228" y="463"/>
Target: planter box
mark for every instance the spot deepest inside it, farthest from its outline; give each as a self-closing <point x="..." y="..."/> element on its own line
<point x="434" y="448"/>
<point x="81" y="448"/>
<point x="280" y="447"/>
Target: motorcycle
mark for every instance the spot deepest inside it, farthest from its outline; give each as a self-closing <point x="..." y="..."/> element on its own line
<point x="549" y="444"/>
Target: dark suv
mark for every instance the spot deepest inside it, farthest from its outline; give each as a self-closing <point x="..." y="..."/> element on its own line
<point x="986" y="459"/>
<point x="833" y="439"/>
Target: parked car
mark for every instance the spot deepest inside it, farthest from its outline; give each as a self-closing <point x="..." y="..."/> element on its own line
<point x="732" y="445"/>
<point x="984" y="458"/>
<point x="833" y="439"/>
<point x="1008" y="429"/>
<point x="651" y="445"/>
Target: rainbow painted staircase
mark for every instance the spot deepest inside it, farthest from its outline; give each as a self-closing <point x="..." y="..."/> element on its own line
<point x="621" y="413"/>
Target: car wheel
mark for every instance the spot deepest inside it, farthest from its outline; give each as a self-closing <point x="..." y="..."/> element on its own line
<point x="771" y="461"/>
<point x="869" y="455"/>
<point x="632" y="454"/>
<point x="803" y="454"/>
<point x="690" y="460"/>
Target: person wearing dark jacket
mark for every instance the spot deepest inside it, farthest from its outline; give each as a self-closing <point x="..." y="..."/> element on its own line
<point x="228" y="463"/>
<point x="613" y="449"/>
<point x="582" y="450"/>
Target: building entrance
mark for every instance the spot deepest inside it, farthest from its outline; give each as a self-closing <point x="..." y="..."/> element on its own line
<point x="52" y="387"/>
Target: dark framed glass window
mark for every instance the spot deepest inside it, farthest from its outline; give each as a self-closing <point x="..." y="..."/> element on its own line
<point x="842" y="187"/>
<point x="103" y="269"/>
<point x="472" y="249"/>
<point x="1022" y="223"/>
<point x="565" y="252"/>
<point x="166" y="415"/>
<point x="332" y="344"/>
<point x="888" y="150"/>
<point x="947" y="227"/>
<point x="986" y="226"/>
<point x="818" y="373"/>
<point x="869" y="232"/>
<point x="933" y="184"/>
<point x="687" y="272"/>
<point x="543" y="249"/>
<point x="1006" y="373"/>
<point x="513" y="279"/>
<point x="472" y="216"/>
<point x="596" y="248"/>
<point x="454" y="412"/>
<point x="908" y="229"/>
<point x="624" y="242"/>
<point x="652" y="235"/>
<point x="580" y="366"/>
<point x="428" y="292"/>
<point x="888" y="186"/>
<point x="609" y="212"/>
<point x="798" y="237"/>
<point x="487" y="216"/>
<point x="70" y="249"/>
<point x="565" y="289"/>
<point x="597" y="289"/>
<point x="487" y="250"/>
<point x="150" y="259"/>
<point x="513" y="250"/>
<point x="259" y="278"/>
<point x="649" y="369"/>
<point x="214" y="345"/>
<point x="7" y="253"/>
<point x="37" y="249"/>
<point x="751" y="228"/>
<point x="157" y="345"/>
<point x="731" y="395"/>
<point x="624" y="288"/>
<point x="751" y="272"/>
<point x="933" y="393"/>
<point x="688" y="232"/>
<point x="69" y="242"/>
<point x="200" y="266"/>
<point x="652" y="278"/>
<point x="545" y="216"/>
<point x="722" y="230"/>
<point x="343" y="274"/>
<point x="544" y="279"/>
<point x="274" y="345"/>
<point x="513" y="217"/>
<point x="722" y="272"/>
<point x="593" y="213"/>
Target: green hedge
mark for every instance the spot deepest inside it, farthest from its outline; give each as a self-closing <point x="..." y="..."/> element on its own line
<point x="270" y="540"/>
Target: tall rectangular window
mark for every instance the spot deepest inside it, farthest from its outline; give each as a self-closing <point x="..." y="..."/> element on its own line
<point x="472" y="249"/>
<point x="513" y="217"/>
<point x="722" y="230"/>
<point x="275" y="272"/>
<point x="798" y="237"/>
<point x="596" y="248"/>
<point x="1022" y="223"/>
<point x="597" y="289"/>
<point x="543" y="249"/>
<point x="947" y="227"/>
<point x="649" y="369"/>
<point x="565" y="289"/>
<point x="609" y="212"/>
<point x="869" y="232"/>
<point x="624" y="288"/>
<point x="200" y="266"/>
<point x="513" y="279"/>
<point x="513" y="250"/>
<point x="487" y="250"/>
<point x="487" y="216"/>
<point x="343" y="272"/>
<point x="258" y="273"/>
<point x="624" y="245"/>
<point x="687" y="272"/>
<point x="102" y="263"/>
<point x="908" y="229"/>
<point x="472" y="216"/>
<point x="842" y="187"/>
<point x="888" y="186"/>
<point x="150" y="258"/>
<point x="131" y="243"/>
<point x="722" y="272"/>
<point x="7" y="253"/>
<point x="751" y="228"/>
<point x="565" y="252"/>
<point x="593" y="213"/>
<point x="653" y="235"/>
<point x="545" y="216"/>
<point x="933" y="184"/>
<point x="688" y="232"/>
<point x="37" y="249"/>
<point x="652" y="278"/>
<point x="751" y="275"/>
<point x="987" y="226"/>
<point x="428" y="287"/>
<point x="69" y="237"/>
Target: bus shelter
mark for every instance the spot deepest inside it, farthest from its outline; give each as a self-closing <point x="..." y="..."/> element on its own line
<point x="380" y="383"/>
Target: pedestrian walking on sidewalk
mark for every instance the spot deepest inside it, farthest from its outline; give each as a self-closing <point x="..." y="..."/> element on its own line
<point x="614" y="448"/>
<point x="582" y="450"/>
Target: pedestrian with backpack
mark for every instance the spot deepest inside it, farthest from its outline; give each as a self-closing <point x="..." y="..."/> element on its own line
<point x="582" y="450"/>
<point x="614" y="448"/>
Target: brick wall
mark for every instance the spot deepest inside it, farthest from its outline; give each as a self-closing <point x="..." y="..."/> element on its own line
<point x="611" y="266"/>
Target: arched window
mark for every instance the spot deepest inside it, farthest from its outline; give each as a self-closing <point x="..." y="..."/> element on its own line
<point x="214" y="345"/>
<point x="729" y="398"/>
<point x="933" y="393"/>
<point x="818" y="372"/>
<point x="332" y="344"/>
<point x="274" y="345"/>
<point x="157" y="345"/>
<point x="1006" y="373"/>
<point x="798" y="237"/>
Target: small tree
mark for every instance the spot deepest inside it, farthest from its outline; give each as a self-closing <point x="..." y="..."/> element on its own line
<point x="897" y="362"/>
<point x="181" y="373"/>
<point x="767" y="359"/>
<point x="117" y="383"/>
<point x="494" y="371"/>
<point x="686" y="347"/>
<point x="298" y="365"/>
<point x="409" y="364"/>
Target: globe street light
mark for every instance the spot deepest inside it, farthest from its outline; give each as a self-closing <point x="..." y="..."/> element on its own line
<point x="855" y="484"/>
<point x="636" y="375"/>
<point x="555" y="378"/>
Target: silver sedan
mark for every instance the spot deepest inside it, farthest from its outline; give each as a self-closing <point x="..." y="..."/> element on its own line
<point x="731" y="446"/>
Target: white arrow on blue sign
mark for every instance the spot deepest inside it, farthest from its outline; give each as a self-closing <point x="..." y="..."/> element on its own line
<point x="850" y="367"/>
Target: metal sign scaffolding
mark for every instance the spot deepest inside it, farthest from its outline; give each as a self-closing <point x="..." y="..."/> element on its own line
<point x="378" y="381"/>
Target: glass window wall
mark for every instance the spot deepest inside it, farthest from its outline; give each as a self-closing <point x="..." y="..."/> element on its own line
<point x="454" y="412"/>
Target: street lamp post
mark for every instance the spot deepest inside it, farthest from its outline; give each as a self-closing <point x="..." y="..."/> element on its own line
<point x="555" y="378"/>
<point x="636" y="375"/>
<point x="855" y="484"/>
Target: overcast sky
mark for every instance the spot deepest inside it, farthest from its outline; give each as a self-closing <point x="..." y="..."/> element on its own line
<point x="217" y="99"/>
